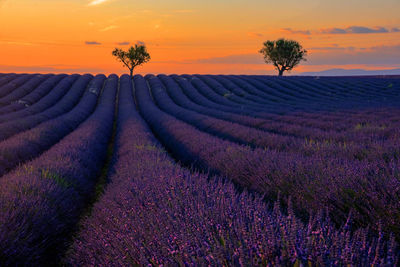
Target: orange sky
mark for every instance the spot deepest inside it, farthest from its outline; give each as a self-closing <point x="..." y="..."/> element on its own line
<point x="187" y="36"/>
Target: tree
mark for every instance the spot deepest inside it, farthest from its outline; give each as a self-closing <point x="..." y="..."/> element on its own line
<point x="132" y="58"/>
<point x="283" y="54"/>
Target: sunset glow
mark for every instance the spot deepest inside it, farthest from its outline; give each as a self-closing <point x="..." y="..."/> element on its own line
<point x="195" y="36"/>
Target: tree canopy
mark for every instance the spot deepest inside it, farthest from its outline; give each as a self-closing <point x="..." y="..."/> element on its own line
<point x="283" y="54"/>
<point x="132" y="58"/>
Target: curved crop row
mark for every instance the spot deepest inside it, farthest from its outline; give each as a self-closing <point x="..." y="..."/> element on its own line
<point x="155" y="213"/>
<point x="41" y="201"/>
<point x="312" y="183"/>
<point x="47" y="101"/>
<point x="14" y="84"/>
<point x="7" y="78"/>
<point x="23" y="90"/>
<point x="35" y="115"/>
<point x="31" y="143"/>
<point x="42" y="90"/>
<point x="192" y="114"/>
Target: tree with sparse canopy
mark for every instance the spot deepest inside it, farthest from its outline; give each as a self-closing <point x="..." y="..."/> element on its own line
<point x="132" y="58"/>
<point x="283" y="54"/>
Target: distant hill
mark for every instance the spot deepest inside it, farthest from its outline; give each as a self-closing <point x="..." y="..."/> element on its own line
<point x="351" y="72"/>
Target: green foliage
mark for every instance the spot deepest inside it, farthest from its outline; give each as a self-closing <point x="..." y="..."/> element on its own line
<point x="132" y="58"/>
<point x="283" y="54"/>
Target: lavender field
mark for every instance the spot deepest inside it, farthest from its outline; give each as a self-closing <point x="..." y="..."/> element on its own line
<point x="199" y="170"/>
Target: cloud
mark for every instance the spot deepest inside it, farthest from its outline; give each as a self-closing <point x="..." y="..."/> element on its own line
<point x="18" y="43"/>
<point x="97" y="2"/>
<point x="334" y="47"/>
<point x="140" y="43"/>
<point x="92" y="43"/>
<point x="108" y="28"/>
<point x="333" y="31"/>
<point x="359" y="29"/>
<point x="123" y="43"/>
<point x="395" y="30"/>
<point x="377" y="55"/>
<point x="303" y="32"/>
<point x="355" y="30"/>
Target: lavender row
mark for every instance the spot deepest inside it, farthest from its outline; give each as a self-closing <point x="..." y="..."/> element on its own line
<point x="23" y="90"/>
<point x="156" y="213"/>
<point x="42" y="90"/>
<point x="358" y="132"/>
<point x="241" y="92"/>
<point x="202" y="95"/>
<point x="42" y="200"/>
<point x="368" y="148"/>
<point x="253" y="137"/>
<point x="252" y="87"/>
<point x="47" y="101"/>
<point x="366" y="189"/>
<point x="37" y="113"/>
<point x="224" y="129"/>
<point x="361" y="88"/>
<point x="12" y="85"/>
<point x="230" y="95"/>
<point x="243" y="109"/>
<point x="7" y="78"/>
<point x="58" y="121"/>
<point x="222" y="96"/>
<point x="285" y="88"/>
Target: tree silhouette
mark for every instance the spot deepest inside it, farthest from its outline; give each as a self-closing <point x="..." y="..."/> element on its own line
<point x="132" y="58"/>
<point x="283" y="54"/>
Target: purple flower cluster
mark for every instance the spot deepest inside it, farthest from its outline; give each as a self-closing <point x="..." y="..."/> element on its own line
<point x="6" y="78"/>
<point x="34" y="96"/>
<point x="195" y="170"/>
<point x="367" y="188"/>
<point x="41" y="201"/>
<point x="23" y="90"/>
<point x="156" y="213"/>
<point x="31" y="143"/>
<point x="14" y="84"/>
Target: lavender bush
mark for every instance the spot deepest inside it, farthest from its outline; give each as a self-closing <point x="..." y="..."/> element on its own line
<point x="155" y="213"/>
<point x="41" y="201"/>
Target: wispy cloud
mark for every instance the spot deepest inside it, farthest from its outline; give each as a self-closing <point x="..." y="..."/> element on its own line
<point x="291" y="31"/>
<point x="18" y="43"/>
<point x="123" y="43"/>
<point x="97" y="2"/>
<point x="92" y="43"/>
<point x="357" y="30"/>
<point x="335" y="47"/>
<point x="108" y="28"/>
<point x="347" y="30"/>
<point x="377" y="55"/>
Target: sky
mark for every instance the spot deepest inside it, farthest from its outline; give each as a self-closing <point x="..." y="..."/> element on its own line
<point x="192" y="36"/>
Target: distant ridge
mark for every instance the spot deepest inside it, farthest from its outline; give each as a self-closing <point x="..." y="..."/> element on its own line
<point x="352" y="72"/>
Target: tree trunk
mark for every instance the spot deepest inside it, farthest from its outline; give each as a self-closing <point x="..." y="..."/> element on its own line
<point x="281" y="72"/>
<point x="131" y="73"/>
